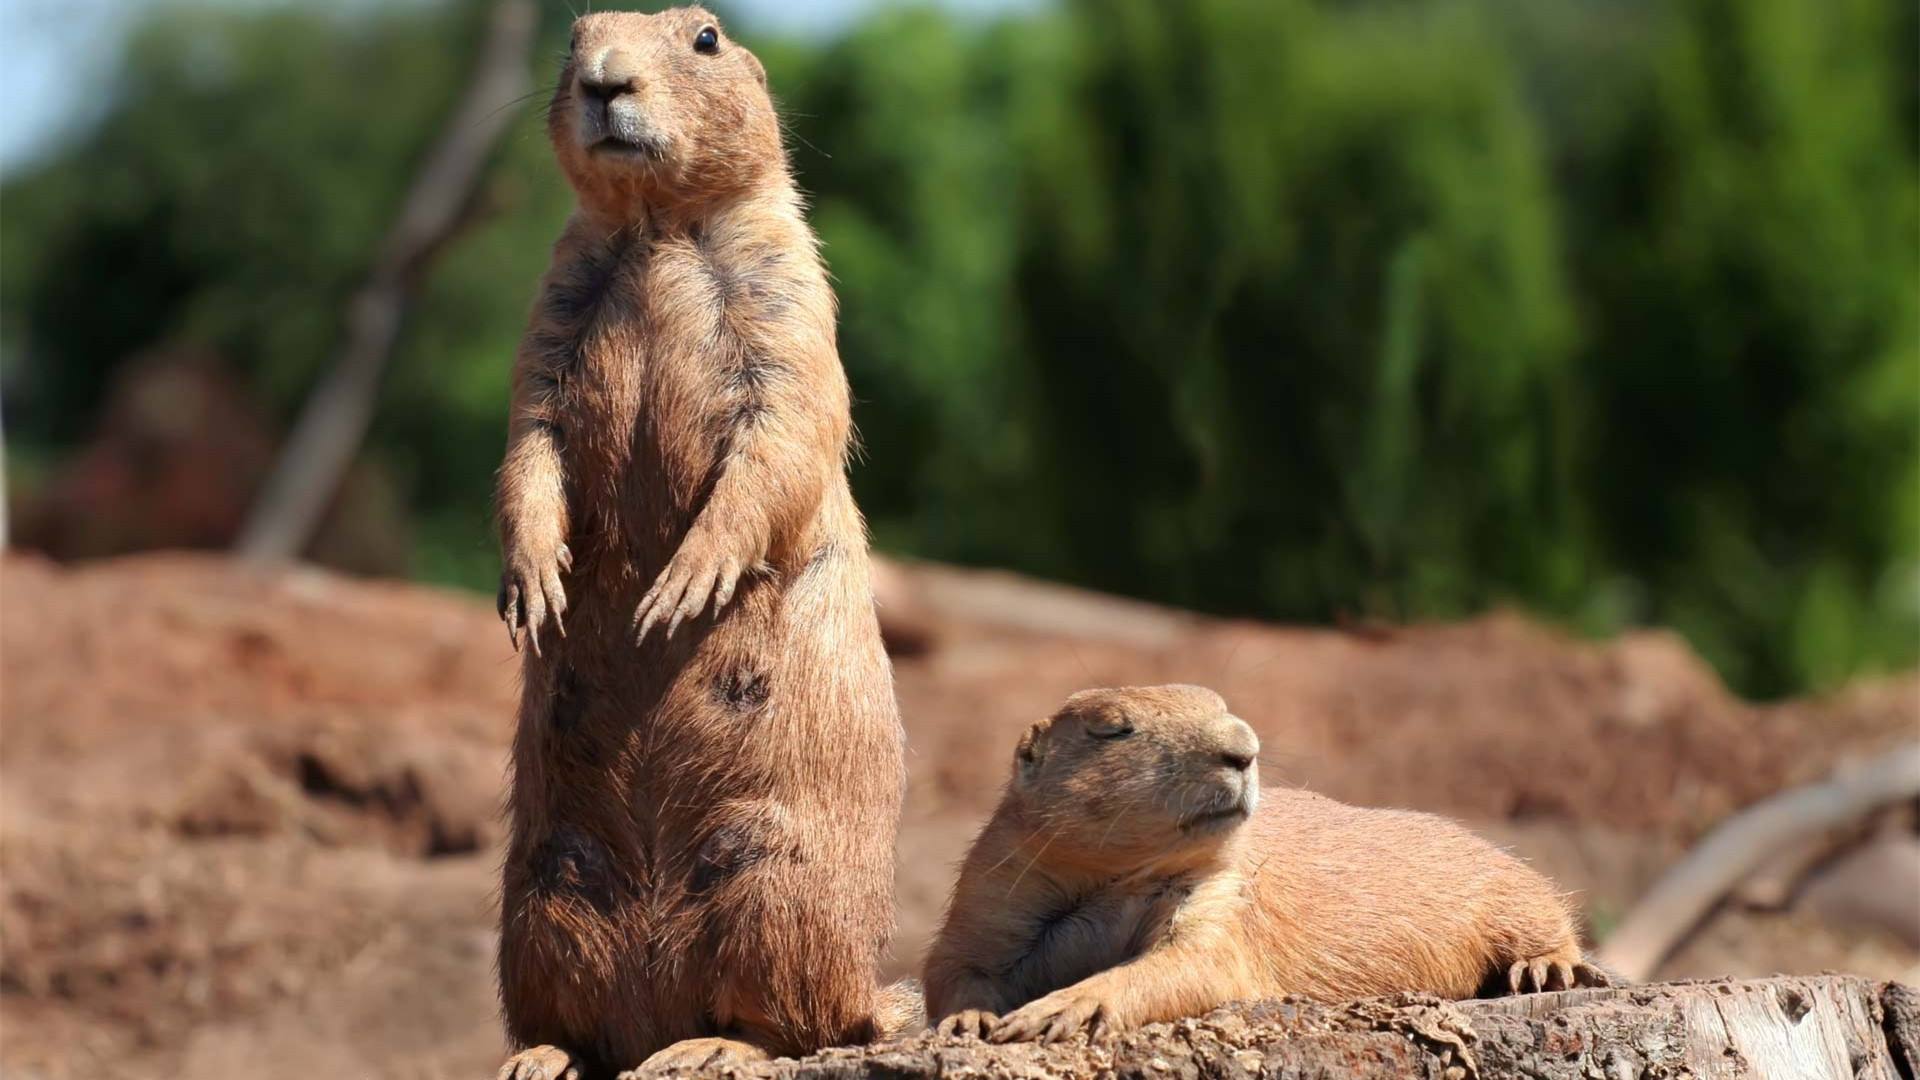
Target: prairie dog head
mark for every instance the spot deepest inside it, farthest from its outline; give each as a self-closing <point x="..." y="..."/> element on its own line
<point x="1132" y="776"/>
<point x="661" y="108"/>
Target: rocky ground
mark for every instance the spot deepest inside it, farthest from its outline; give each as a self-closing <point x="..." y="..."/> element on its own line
<point x="248" y="818"/>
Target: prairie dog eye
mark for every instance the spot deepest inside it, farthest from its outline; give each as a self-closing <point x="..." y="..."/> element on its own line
<point x="707" y="41"/>
<point x="1110" y="729"/>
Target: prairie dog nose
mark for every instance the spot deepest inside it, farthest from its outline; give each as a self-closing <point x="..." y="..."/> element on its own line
<point x="612" y="72"/>
<point x="1240" y="747"/>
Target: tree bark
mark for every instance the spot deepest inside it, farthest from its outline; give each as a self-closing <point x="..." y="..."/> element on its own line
<point x="1787" y="1027"/>
<point x="334" y="421"/>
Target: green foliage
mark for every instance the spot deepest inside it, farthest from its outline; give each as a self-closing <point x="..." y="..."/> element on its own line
<point x="1311" y="273"/>
<point x="1751" y="448"/>
<point x="232" y="196"/>
<point x="1607" y="308"/>
<point x="909" y="169"/>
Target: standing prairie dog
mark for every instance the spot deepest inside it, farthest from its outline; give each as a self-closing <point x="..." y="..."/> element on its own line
<point x="707" y="770"/>
<point x="1134" y="872"/>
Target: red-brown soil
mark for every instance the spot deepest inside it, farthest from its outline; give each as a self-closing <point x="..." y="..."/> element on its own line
<point x="248" y="817"/>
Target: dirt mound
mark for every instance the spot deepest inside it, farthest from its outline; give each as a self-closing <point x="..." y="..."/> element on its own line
<point x="176" y="455"/>
<point x="248" y="820"/>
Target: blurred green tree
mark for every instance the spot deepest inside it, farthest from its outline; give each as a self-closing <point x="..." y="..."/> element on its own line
<point x="1752" y="363"/>
<point x="1312" y="358"/>
<point x="231" y="196"/>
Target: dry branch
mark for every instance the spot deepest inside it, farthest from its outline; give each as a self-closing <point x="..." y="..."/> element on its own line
<point x="334" y="421"/>
<point x="1738" y="846"/>
<point x="3" y="491"/>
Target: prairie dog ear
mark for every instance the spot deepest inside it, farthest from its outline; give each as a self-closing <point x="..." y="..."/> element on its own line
<point x="759" y="69"/>
<point x="1032" y="749"/>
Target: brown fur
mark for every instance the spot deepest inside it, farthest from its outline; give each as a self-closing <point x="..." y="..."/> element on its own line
<point x="1134" y="872"/>
<point x="708" y="766"/>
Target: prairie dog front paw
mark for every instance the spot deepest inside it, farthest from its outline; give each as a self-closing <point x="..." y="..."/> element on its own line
<point x="1057" y="1017"/>
<point x="530" y="589"/>
<point x="968" y="1023"/>
<point x="706" y="568"/>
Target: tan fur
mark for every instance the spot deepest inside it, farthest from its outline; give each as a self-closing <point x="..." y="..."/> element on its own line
<point x="708" y="766"/>
<point x="1134" y="872"/>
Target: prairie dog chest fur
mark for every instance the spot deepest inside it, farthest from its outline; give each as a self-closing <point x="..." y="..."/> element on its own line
<point x="658" y="344"/>
<point x="1076" y="933"/>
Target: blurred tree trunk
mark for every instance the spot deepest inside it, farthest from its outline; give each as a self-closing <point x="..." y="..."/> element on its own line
<point x="3" y="491"/>
<point x="334" y="421"/>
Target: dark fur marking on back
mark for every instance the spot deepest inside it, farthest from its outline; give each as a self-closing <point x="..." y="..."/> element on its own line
<point x="575" y="296"/>
<point x="742" y="691"/>
<point x="574" y="299"/>
<point x="1052" y="922"/>
<point x="744" y="394"/>
<point x="769" y="294"/>
<point x="570" y="862"/>
<point x="752" y="280"/>
<point x="544" y="379"/>
<point x="569" y="699"/>
<point x="728" y="851"/>
<point x="552" y="429"/>
<point x="823" y="554"/>
<point x="727" y="284"/>
<point x="748" y="386"/>
<point x="745" y="293"/>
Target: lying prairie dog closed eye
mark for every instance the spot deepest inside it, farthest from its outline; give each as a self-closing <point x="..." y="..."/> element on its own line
<point x="1135" y="872"/>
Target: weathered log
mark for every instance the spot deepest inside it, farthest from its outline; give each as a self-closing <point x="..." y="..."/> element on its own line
<point x="1786" y="1027"/>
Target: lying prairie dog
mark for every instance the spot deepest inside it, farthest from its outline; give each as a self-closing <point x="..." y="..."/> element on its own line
<point x="1135" y="872"/>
